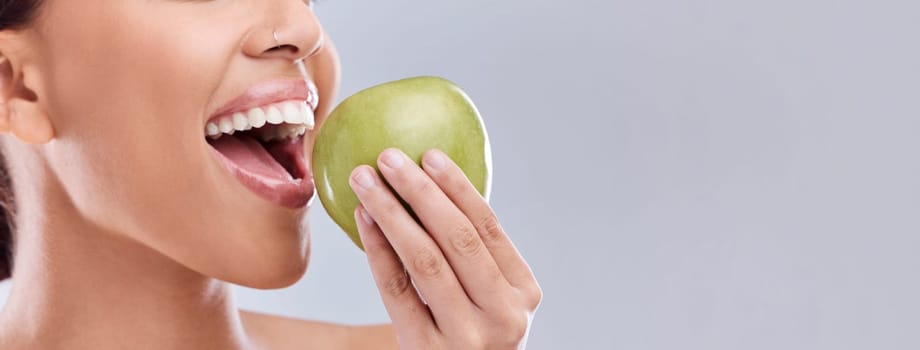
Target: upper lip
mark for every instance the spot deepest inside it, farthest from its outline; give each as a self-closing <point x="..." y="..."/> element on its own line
<point x="269" y="92"/>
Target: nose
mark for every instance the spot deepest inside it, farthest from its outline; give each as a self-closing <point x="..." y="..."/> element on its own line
<point x="292" y="32"/>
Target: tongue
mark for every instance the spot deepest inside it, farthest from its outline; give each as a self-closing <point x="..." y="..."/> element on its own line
<point x="249" y="154"/>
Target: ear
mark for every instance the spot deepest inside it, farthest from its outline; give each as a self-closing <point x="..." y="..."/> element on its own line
<point x="20" y="113"/>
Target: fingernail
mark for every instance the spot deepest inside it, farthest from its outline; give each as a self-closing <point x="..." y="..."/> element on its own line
<point x="364" y="179"/>
<point x="367" y="217"/>
<point x="435" y="160"/>
<point x="393" y="158"/>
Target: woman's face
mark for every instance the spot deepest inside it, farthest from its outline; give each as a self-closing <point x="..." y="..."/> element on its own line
<point x="130" y="87"/>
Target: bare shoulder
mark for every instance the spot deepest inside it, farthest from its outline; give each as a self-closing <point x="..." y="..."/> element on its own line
<point x="273" y="332"/>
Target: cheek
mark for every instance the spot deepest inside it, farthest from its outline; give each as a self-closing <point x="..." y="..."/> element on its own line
<point x="184" y="217"/>
<point x="126" y="94"/>
<point x="130" y="150"/>
<point x="130" y="128"/>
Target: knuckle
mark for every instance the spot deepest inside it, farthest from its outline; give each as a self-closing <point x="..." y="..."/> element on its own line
<point x="393" y="209"/>
<point x="491" y="229"/>
<point x="424" y="188"/>
<point x="465" y="240"/>
<point x="514" y="327"/>
<point x="398" y="284"/>
<point x="537" y="296"/>
<point x="375" y="246"/>
<point x="533" y="296"/>
<point x="516" y="335"/>
<point x="457" y="181"/>
<point x="427" y="263"/>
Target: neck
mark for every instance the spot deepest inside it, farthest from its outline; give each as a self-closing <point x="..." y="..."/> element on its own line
<point x="78" y="286"/>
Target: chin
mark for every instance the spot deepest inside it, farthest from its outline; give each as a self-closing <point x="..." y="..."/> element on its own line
<point x="276" y="257"/>
<point x="271" y="272"/>
<point x="277" y="278"/>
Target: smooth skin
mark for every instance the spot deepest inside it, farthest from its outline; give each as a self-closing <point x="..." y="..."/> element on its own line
<point x="130" y="232"/>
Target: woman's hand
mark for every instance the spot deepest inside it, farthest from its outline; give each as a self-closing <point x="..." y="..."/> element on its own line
<point x="480" y="293"/>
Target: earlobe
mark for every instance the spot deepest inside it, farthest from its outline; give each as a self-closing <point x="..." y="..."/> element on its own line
<point x="28" y="122"/>
<point x="4" y="118"/>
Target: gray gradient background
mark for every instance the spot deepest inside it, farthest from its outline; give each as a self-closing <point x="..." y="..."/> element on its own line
<point x="709" y="174"/>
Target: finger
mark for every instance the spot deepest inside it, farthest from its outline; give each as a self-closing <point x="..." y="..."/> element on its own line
<point x="451" y="179"/>
<point x="420" y="255"/>
<point x="454" y="233"/>
<point x="399" y="297"/>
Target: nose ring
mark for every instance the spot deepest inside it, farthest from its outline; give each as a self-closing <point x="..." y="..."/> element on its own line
<point x="275" y="36"/>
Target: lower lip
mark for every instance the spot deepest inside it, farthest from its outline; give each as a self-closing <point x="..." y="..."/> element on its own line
<point x="294" y="194"/>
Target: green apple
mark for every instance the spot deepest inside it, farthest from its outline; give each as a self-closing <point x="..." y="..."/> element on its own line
<point x="413" y="115"/>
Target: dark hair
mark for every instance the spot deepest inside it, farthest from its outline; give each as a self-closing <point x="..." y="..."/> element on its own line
<point x="14" y="14"/>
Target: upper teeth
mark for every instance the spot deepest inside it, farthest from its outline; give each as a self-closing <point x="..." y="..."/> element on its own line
<point x="296" y="115"/>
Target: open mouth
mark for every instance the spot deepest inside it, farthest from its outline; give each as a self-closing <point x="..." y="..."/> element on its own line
<point x="264" y="148"/>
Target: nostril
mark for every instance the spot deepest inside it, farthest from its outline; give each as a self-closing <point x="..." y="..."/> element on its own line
<point x="291" y="48"/>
